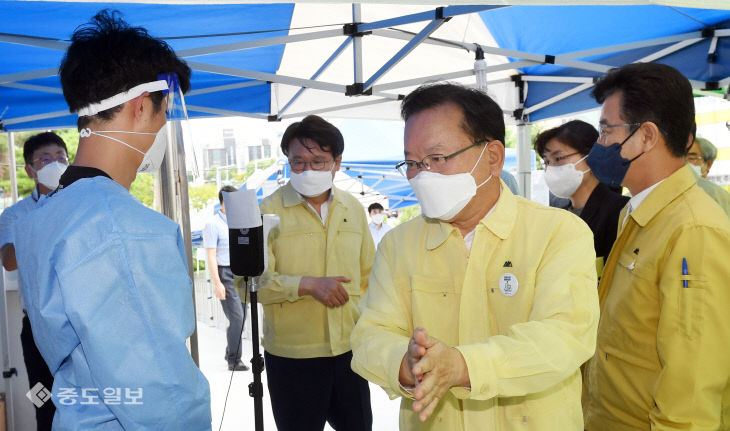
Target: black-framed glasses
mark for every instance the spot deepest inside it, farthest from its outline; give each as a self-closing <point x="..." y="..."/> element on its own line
<point x="315" y="165"/>
<point x="603" y="129"/>
<point x="47" y="160"/>
<point x="432" y="161"/>
<point x="556" y="161"/>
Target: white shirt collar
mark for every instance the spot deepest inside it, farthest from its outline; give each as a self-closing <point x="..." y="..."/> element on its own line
<point x="635" y="201"/>
<point x="324" y="209"/>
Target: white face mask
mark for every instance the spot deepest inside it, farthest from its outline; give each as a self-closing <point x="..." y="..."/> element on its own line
<point x="152" y="159"/>
<point x="312" y="183"/>
<point x="444" y="196"/>
<point x="565" y="179"/>
<point x="50" y="174"/>
<point x="378" y="218"/>
<point x="697" y="169"/>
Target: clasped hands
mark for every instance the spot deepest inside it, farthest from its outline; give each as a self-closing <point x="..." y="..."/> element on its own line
<point x="432" y="368"/>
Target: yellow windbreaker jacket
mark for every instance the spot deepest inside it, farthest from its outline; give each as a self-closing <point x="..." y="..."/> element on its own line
<point x="662" y="360"/>
<point x="521" y="307"/>
<point x="302" y="327"/>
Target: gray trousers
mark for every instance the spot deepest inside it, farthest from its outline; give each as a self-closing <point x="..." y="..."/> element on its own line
<point x="235" y="313"/>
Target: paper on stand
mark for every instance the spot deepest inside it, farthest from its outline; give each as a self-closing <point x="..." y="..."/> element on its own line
<point x="242" y="209"/>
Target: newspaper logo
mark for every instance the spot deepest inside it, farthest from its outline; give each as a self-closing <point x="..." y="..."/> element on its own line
<point x="38" y="395"/>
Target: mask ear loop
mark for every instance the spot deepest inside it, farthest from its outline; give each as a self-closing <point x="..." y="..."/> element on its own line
<point x="85" y="133"/>
<point x="477" y="162"/>
<point x="582" y="172"/>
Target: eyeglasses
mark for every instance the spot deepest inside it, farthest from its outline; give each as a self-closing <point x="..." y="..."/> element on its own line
<point x="46" y="160"/>
<point x="432" y="161"/>
<point x="693" y="158"/>
<point x="315" y="165"/>
<point x="603" y="131"/>
<point x="556" y="161"/>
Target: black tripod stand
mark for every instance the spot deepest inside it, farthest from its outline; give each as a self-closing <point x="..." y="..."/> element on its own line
<point x="256" y="389"/>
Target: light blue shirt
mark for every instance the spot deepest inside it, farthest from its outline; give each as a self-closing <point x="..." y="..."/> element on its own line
<point x="13" y="213"/>
<point x="108" y="294"/>
<point x="215" y="235"/>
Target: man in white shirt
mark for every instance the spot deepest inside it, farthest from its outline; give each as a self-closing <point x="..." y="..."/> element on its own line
<point x="378" y="228"/>
<point x="215" y="241"/>
<point x="46" y="159"/>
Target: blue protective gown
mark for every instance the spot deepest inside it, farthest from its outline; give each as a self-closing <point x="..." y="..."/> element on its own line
<point x="107" y="289"/>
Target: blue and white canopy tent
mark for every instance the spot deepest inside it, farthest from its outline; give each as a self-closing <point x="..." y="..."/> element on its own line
<point x="275" y="61"/>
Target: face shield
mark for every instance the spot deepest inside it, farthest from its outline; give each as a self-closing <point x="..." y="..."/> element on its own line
<point x="172" y="131"/>
<point x="176" y="116"/>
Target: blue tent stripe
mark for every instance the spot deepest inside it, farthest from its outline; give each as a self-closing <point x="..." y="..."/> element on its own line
<point x="576" y="28"/>
<point x="182" y="26"/>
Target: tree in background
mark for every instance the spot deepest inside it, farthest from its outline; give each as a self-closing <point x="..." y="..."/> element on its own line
<point x="200" y="196"/>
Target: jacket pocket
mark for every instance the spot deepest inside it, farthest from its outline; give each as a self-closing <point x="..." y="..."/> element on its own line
<point x="435" y="306"/>
<point x="691" y="305"/>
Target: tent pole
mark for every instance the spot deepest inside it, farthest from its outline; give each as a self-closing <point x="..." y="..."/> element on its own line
<point x="11" y="166"/>
<point x="174" y="204"/>
<point x="523" y="158"/>
<point x="357" y="44"/>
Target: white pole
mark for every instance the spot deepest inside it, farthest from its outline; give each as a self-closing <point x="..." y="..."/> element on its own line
<point x="523" y="159"/>
<point x="11" y="165"/>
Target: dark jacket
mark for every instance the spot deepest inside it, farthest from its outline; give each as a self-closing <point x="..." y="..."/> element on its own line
<point x="601" y="213"/>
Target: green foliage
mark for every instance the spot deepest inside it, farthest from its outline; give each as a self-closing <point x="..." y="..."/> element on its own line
<point x="143" y="188"/>
<point x="200" y="196"/>
<point x="407" y="213"/>
<point x="510" y="137"/>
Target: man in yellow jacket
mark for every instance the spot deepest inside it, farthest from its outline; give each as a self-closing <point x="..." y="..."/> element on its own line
<point x="480" y="312"/>
<point x="661" y="360"/>
<point x="320" y="258"/>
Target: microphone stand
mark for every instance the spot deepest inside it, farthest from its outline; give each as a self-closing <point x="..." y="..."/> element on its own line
<point x="256" y="389"/>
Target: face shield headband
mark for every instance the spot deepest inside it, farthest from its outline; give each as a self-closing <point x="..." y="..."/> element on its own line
<point x="121" y="98"/>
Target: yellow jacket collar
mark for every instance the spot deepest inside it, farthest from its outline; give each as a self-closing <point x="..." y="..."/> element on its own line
<point x="500" y="221"/>
<point x="291" y="197"/>
<point x="673" y="186"/>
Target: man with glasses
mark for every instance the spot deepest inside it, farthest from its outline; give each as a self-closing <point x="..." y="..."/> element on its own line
<point x="105" y="279"/>
<point x="700" y="156"/>
<point x="318" y="267"/>
<point x="480" y="312"/>
<point x="45" y="158"/>
<point x="661" y="359"/>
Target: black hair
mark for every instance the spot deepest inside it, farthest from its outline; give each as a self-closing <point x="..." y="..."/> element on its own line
<point x="576" y="134"/>
<point x="107" y="57"/>
<point x="316" y="129"/>
<point x="375" y="206"/>
<point x="227" y="189"/>
<point x="483" y="118"/>
<point x="38" y="141"/>
<point x="653" y="92"/>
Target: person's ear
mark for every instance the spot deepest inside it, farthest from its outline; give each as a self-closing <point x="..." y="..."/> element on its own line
<point x="338" y="162"/>
<point x="651" y="136"/>
<point x="30" y="172"/>
<point x="495" y="157"/>
<point x="140" y="107"/>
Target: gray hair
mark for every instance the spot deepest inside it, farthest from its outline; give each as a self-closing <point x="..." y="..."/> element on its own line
<point x="709" y="151"/>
